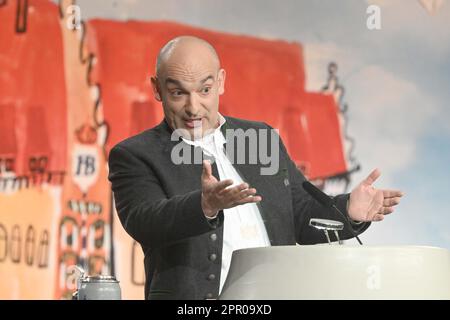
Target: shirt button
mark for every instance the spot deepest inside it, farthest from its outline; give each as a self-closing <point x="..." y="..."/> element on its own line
<point x="213" y="237"/>
<point x="213" y="257"/>
<point x="211" y="277"/>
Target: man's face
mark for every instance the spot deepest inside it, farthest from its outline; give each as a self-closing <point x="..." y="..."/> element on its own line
<point x="190" y="95"/>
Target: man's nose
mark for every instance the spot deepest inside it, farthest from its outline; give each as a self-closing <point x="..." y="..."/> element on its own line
<point x="192" y="105"/>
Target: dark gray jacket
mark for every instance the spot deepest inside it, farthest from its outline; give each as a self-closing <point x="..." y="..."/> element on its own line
<point x="158" y="203"/>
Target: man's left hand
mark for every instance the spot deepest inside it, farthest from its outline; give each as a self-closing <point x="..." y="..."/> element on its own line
<point x="369" y="204"/>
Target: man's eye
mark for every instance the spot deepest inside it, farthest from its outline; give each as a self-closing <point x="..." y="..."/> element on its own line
<point x="206" y="90"/>
<point x="176" y="93"/>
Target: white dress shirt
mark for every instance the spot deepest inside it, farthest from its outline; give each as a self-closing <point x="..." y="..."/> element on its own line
<point x="243" y="225"/>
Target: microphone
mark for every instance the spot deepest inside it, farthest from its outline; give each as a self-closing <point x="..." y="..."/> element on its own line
<point x="327" y="202"/>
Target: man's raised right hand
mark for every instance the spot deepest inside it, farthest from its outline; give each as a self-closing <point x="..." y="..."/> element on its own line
<point x="218" y="195"/>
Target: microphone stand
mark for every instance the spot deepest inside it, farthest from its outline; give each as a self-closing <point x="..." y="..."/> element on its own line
<point x="348" y="222"/>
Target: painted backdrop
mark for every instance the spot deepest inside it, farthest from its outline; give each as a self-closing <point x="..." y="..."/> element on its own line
<point x="68" y="94"/>
<point x="74" y="80"/>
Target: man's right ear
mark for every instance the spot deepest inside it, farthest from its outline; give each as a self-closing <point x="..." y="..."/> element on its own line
<point x="156" y="88"/>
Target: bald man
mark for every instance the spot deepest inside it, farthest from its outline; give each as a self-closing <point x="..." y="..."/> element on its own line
<point x="190" y="212"/>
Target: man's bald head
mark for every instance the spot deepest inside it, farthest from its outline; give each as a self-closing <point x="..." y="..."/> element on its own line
<point x="185" y="48"/>
<point x="188" y="82"/>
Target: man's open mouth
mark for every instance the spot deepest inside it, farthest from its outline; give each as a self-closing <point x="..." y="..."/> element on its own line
<point x="193" y="123"/>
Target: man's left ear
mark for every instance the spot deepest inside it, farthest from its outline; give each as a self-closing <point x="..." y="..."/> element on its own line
<point x="221" y="78"/>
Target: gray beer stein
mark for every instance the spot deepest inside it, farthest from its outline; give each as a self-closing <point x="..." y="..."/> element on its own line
<point x="98" y="287"/>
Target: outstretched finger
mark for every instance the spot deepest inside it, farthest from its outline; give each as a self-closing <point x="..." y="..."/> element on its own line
<point x="222" y="185"/>
<point x="378" y="217"/>
<point x="392" y="193"/>
<point x="207" y="171"/>
<point x="386" y="210"/>
<point x="249" y="199"/>
<point x="235" y="190"/>
<point x="246" y="193"/>
<point x="389" y="202"/>
<point x="372" y="177"/>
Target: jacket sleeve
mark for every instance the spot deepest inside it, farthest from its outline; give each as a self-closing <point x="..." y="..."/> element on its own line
<point x="305" y="208"/>
<point x="145" y="211"/>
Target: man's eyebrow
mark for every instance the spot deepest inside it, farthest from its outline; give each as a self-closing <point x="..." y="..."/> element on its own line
<point x="207" y="78"/>
<point x="175" y="82"/>
<point x="178" y="83"/>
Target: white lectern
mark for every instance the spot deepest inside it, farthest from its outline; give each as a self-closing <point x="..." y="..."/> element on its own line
<point x="339" y="272"/>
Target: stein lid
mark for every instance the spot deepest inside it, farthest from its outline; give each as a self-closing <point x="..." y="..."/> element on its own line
<point x="99" y="278"/>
